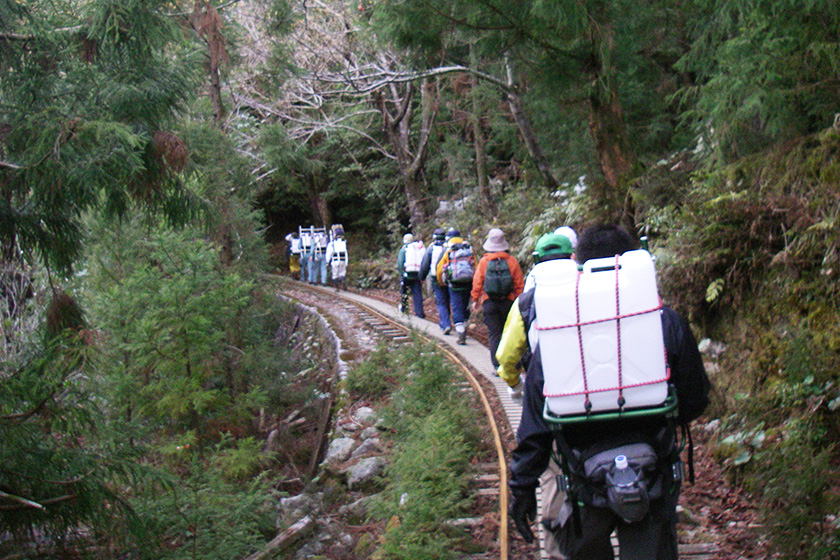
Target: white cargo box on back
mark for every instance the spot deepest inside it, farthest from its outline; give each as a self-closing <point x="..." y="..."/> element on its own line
<point x="600" y="335"/>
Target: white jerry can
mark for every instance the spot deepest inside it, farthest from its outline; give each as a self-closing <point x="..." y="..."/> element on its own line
<point x="600" y="335"/>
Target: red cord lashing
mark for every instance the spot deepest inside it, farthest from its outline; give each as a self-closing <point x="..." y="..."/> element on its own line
<point x="621" y="400"/>
<point x="587" y="404"/>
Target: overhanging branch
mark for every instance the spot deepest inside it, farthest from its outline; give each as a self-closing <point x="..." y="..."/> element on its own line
<point x="366" y="79"/>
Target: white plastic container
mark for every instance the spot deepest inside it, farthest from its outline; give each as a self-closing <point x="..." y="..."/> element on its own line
<point x="580" y="337"/>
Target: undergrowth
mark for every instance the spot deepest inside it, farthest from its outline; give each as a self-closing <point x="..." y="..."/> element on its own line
<point x="435" y="438"/>
<point x="755" y="266"/>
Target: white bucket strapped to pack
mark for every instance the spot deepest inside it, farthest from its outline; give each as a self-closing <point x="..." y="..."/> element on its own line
<point x="339" y="250"/>
<point x="414" y="252"/>
<point x="600" y="338"/>
<point x="308" y="236"/>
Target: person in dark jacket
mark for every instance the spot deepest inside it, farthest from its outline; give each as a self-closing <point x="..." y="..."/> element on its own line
<point x="581" y="528"/>
<point x="433" y="254"/>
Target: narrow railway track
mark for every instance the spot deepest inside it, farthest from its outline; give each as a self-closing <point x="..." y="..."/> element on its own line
<point x="381" y="319"/>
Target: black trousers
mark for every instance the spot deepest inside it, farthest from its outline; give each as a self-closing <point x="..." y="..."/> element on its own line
<point x="495" y="315"/>
<point x="652" y="538"/>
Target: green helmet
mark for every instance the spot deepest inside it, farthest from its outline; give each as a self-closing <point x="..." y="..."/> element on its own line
<point x="552" y="245"/>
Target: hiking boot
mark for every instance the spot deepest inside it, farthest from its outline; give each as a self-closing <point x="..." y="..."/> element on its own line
<point x="462" y="338"/>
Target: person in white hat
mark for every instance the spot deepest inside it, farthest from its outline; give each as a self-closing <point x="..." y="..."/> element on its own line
<point x="569" y="234"/>
<point x="498" y="281"/>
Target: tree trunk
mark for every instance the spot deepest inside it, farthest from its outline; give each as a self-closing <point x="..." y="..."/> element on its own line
<point x="609" y="134"/>
<point x="219" y="112"/>
<point x="8" y="241"/>
<point x="397" y="115"/>
<point x="529" y="137"/>
<point x="617" y="160"/>
<point x="317" y="202"/>
<point x="479" y="144"/>
<point x="208" y="24"/>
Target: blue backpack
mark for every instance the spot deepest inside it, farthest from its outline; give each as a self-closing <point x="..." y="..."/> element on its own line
<point x="461" y="266"/>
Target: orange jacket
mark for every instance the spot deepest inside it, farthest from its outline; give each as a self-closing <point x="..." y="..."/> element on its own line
<point x="478" y="294"/>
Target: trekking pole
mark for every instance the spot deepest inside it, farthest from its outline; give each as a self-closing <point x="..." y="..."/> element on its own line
<point x="402" y="307"/>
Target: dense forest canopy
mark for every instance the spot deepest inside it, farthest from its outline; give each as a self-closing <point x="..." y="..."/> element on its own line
<point x="153" y="153"/>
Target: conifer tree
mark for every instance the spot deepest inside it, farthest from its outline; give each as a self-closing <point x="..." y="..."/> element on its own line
<point x="89" y="90"/>
<point x="602" y="54"/>
<point x="763" y="72"/>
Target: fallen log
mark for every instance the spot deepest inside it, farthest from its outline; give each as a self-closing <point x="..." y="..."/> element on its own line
<point x="284" y="539"/>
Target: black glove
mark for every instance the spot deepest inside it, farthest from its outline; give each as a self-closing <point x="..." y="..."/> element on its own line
<point x="523" y="510"/>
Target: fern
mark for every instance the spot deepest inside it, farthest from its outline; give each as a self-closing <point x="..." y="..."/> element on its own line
<point x="714" y="290"/>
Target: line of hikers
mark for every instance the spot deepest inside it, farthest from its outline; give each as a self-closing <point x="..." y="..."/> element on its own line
<point x="311" y="249"/>
<point x="609" y="379"/>
<point x="461" y="284"/>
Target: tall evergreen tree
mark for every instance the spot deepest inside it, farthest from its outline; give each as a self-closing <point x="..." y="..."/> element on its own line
<point x="89" y="90"/>
<point x="763" y="72"/>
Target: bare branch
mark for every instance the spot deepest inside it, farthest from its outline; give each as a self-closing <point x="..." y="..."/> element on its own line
<point x="22" y="37"/>
<point x="16" y="37"/>
<point x="22" y="502"/>
<point x="376" y="77"/>
<point x="34" y="410"/>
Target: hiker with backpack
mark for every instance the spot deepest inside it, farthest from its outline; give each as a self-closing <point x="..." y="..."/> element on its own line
<point x="562" y="245"/>
<point x="513" y="352"/>
<point x="338" y="258"/>
<point x="430" y="260"/>
<point x="293" y="240"/>
<point x="305" y="248"/>
<point x="497" y="282"/>
<point x="317" y="266"/>
<point x="621" y="466"/>
<point x="409" y="259"/>
<point x="456" y="269"/>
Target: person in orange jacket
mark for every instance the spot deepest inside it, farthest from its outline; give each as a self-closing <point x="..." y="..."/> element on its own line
<point x="497" y="282"/>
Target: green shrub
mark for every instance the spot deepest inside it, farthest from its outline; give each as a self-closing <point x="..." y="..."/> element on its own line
<point x="428" y="387"/>
<point x="240" y="459"/>
<point x="792" y="477"/>
<point x="375" y="377"/>
<point x="431" y="466"/>
<point x="205" y="517"/>
<point x="435" y="436"/>
<point x="779" y="440"/>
